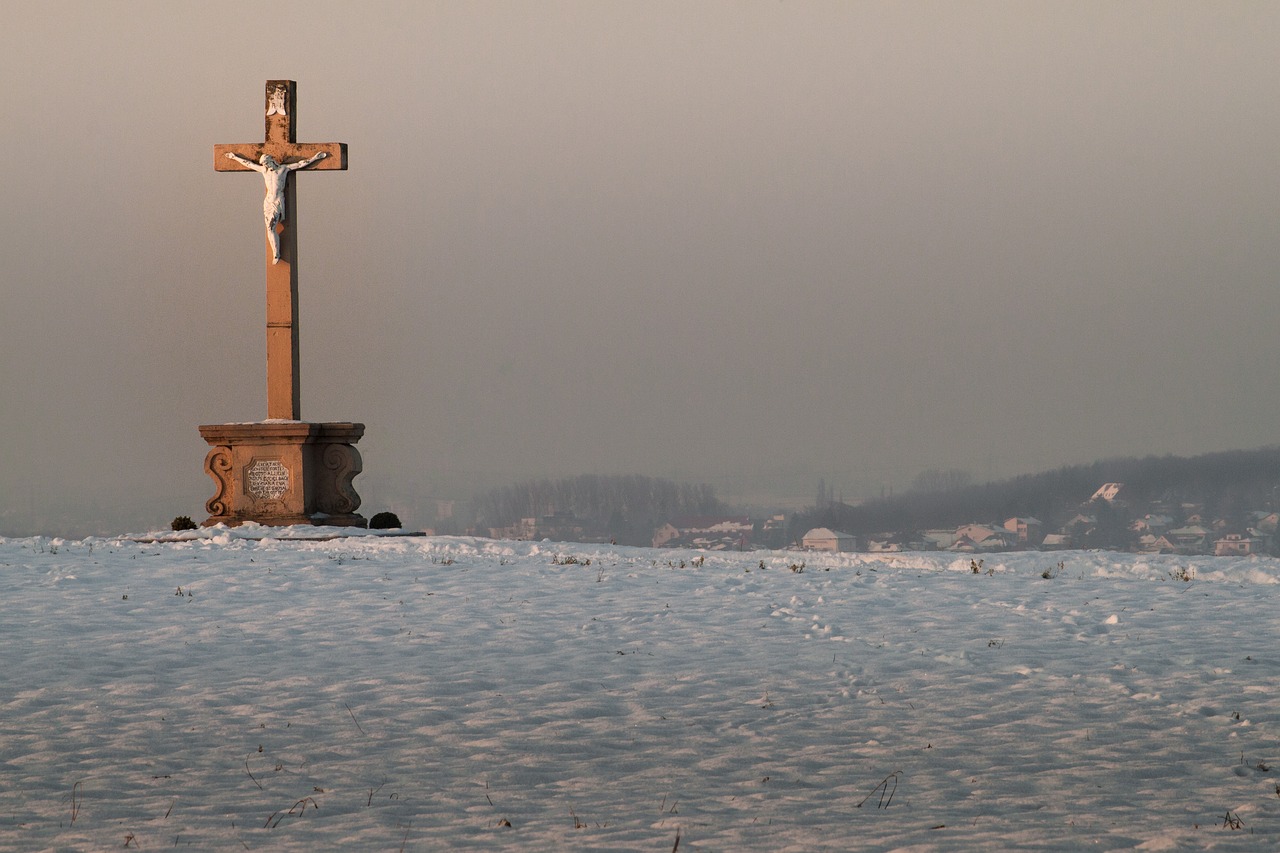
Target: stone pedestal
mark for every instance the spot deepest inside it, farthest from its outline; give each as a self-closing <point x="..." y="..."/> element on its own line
<point x="283" y="472"/>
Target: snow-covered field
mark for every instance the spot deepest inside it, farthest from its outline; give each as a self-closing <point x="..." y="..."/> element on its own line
<point x="446" y="693"/>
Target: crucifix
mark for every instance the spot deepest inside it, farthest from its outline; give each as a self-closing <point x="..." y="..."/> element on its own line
<point x="282" y="470"/>
<point x="275" y="159"/>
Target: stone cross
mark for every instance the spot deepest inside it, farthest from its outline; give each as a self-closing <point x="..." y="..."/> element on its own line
<point x="278" y="155"/>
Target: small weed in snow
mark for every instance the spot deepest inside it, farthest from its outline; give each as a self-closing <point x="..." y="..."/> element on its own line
<point x="1051" y="573"/>
<point x="298" y="809"/>
<point x="887" y="788"/>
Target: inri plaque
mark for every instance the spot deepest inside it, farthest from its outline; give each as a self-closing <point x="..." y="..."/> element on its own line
<point x="267" y="479"/>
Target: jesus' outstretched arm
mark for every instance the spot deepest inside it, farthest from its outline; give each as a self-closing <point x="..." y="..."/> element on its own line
<point x="302" y="164"/>
<point x="249" y="164"/>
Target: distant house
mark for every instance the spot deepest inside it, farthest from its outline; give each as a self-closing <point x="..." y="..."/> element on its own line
<point x="1235" y="545"/>
<point x="665" y="534"/>
<point x="825" y="539"/>
<point x="1108" y="492"/>
<point x="884" y="545"/>
<point x="1268" y="522"/>
<point x="713" y="533"/>
<point x="983" y="537"/>
<point x="977" y="532"/>
<point x="1154" y="523"/>
<point x="1192" y="539"/>
<point x="1028" y="530"/>
<point x="1056" y="542"/>
<point x="1148" y="543"/>
<point x="1080" y="523"/>
<point x="888" y="543"/>
<point x="938" y="540"/>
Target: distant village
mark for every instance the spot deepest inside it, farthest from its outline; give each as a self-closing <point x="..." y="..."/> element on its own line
<point x="1152" y="528"/>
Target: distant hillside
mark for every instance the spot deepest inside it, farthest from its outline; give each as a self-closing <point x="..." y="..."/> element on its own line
<point x="1224" y="485"/>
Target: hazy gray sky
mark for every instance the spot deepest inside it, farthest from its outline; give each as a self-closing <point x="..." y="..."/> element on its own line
<point x="746" y="243"/>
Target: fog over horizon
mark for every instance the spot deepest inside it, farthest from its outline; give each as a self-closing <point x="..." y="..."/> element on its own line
<point x="749" y="244"/>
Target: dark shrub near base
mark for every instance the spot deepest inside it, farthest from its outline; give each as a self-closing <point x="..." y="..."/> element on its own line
<point x="384" y="521"/>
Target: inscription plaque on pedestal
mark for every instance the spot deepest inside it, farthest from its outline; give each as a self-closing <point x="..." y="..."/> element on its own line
<point x="268" y="479"/>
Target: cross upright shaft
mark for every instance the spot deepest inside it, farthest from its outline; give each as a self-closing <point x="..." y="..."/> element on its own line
<point x="280" y="213"/>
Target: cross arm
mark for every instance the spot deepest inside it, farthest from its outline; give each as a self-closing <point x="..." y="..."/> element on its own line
<point x="283" y="153"/>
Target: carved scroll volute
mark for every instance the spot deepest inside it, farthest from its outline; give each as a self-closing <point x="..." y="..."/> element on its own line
<point x="217" y="464"/>
<point x="343" y="463"/>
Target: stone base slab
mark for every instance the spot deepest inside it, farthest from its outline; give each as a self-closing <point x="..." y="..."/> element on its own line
<point x="283" y="472"/>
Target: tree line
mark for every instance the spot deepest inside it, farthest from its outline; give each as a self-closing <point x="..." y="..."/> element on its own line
<point x="626" y="507"/>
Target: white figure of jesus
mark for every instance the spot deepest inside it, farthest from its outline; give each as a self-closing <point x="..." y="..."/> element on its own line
<point x="274" y="174"/>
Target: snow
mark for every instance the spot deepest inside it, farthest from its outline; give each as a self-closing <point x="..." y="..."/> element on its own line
<point x="236" y="689"/>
